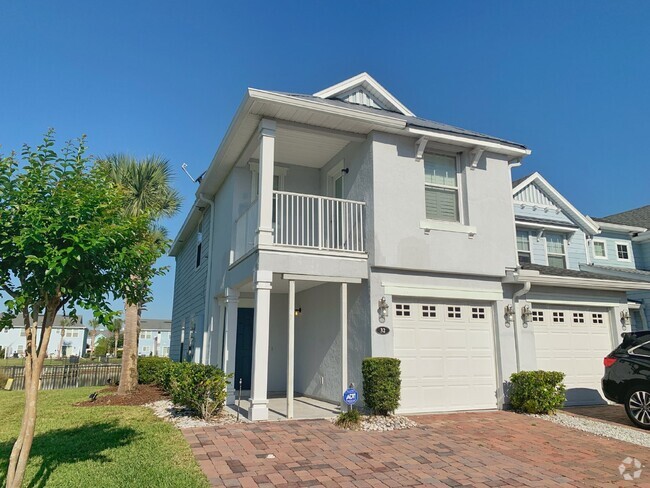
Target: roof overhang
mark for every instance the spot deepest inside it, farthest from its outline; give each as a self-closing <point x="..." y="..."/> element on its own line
<point x="631" y="229"/>
<point x="545" y="226"/>
<point x="618" y="273"/>
<point x="583" y="221"/>
<point x="473" y="142"/>
<point x="522" y="276"/>
<point x="642" y="237"/>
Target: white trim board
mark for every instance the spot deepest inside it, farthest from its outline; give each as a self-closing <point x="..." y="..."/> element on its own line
<point x="442" y="292"/>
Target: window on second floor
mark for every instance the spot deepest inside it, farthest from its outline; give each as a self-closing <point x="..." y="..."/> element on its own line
<point x="622" y="251"/>
<point x="199" y="242"/>
<point x="523" y="246"/>
<point x="600" y="249"/>
<point x="145" y="334"/>
<point x="441" y="187"/>
<point x="555" y="250"/>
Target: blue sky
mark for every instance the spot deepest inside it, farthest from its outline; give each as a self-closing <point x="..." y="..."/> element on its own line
<point x="568" y="79"/>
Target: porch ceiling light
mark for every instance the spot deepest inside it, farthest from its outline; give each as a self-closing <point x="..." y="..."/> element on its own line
<point x="382" y="310"/>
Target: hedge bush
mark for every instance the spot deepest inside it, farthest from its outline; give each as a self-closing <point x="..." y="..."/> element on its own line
<point x="539" y="392"/>
<point x="198" y="387"/>
<point x="381" y="384"/>
<point x="150" y="369"/>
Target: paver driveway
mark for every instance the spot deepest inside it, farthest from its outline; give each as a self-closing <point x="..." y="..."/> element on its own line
<point x="464" y="449"/>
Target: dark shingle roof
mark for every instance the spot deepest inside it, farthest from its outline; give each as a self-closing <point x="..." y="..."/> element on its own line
<point x="570" y="273"/>
<point x="635" y="271"/>
<point x="417" y="122"/>
<point x="519" y="180"/>
<point x="155" y="324"/>
<point x="638" y="217"/>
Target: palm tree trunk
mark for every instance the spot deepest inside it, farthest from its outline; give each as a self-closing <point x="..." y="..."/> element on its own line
<point x="129" y="374"/>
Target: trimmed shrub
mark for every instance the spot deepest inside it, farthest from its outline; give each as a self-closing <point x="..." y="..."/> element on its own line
<point x="349" y="420"/>
<point x="150" y="369"/>
<point x="539" y="392"/>
<point x="200" y="388"/>
<point x="381" y="384"/>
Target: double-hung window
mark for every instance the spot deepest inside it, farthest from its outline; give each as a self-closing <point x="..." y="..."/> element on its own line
<point x="600" y="249"/>
<point x="622" y="251"/>
<point x="523" y="246"/>
<point x="555" y="250"/>
<point x="441" y="187"/>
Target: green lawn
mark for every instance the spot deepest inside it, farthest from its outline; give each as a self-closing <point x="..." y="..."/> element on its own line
<point x="97" y="446"/>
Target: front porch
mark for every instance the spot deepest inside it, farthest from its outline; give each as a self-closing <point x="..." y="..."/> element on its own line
<point x="304" y="407"/>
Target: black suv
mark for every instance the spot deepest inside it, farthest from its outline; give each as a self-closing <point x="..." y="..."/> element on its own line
<point x="627" y="376"/>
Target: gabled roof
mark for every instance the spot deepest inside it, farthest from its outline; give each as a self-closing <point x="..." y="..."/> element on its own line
<point x="364" y="88"/>
<point x="637" y="217"/>
<point x="584" y="222"/>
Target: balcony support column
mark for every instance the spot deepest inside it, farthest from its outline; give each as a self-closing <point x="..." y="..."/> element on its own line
<point x="265" y="184"/>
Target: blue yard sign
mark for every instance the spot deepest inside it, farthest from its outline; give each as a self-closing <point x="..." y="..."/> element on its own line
<point x="351" y="396"/>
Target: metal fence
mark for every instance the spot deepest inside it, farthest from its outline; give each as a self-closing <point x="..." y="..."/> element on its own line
<point x="66" y="376"/>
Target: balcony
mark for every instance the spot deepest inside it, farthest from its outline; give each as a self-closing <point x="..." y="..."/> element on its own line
<point x="302" y="221"/>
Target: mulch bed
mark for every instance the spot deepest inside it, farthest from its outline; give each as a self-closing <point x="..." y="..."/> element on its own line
<point x="108" y="396"/>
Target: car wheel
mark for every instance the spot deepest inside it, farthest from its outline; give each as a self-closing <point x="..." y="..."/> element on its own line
<point x="637" y="407"/>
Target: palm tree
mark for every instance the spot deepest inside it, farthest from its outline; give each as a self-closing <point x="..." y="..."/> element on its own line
<point x="147" y="184"/>
<point x="94" y="325"/>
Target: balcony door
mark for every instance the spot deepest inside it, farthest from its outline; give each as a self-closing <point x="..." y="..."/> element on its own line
<point x="334" y="234"/>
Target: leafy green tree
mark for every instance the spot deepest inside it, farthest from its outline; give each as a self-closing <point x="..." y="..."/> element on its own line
<point x="64" y="240"/>
<point x="148" y="189"/>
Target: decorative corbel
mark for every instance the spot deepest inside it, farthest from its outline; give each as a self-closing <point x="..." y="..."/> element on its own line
<point x="420" y="145"/>
<point x="475" y="155"/>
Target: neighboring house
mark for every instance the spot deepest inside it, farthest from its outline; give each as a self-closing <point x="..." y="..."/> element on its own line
<point x="337" y="226"/>
<point x="154" y="337"/>
<point x="73" y="343"/>
<point x="623" y="250"/>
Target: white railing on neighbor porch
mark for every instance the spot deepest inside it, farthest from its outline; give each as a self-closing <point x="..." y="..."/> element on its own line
<point x="318" y="222"/>
<point x="307" y="221"/>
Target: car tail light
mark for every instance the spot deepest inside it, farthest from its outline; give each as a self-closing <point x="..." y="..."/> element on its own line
<point x="609" y="361"/>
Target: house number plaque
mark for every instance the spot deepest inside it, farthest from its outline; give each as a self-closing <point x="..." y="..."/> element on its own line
<point x="382" y="330"/>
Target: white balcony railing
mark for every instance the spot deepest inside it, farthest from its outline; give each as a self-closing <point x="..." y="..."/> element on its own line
<point x="306" y="221"/>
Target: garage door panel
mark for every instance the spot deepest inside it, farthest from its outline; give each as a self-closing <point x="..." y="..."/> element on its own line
<point x="448" y="361"/>
<point x="575" y="347"/>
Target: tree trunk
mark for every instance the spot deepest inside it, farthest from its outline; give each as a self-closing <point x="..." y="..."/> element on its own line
<point x="34" y="358"/>
<point x="129" y="374"/>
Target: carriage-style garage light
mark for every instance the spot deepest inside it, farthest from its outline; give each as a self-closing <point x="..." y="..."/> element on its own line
<point x="382" y="310"/>
<point x="526" y="315"/>
<point x="508" y="313"/>
<point x="625" y="318"/>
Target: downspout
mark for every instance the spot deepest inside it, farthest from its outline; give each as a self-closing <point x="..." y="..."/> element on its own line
<point x="205" y="350"/>
<point x="515" y="296"/>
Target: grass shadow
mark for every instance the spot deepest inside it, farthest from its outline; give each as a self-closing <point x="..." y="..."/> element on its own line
<point x="68" y="446"/>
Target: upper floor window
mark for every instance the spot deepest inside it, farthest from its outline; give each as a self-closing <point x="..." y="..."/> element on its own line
<point x="622" y="251"/>
<point x="523" y="246"/>
<point x="441" y="187"/>
<point x="199" y="242"/>
<point x="555" y="250"/>
<point x="600" y="249"/>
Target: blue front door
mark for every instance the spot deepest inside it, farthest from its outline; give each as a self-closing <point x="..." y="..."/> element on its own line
<point x="244" y="351"/>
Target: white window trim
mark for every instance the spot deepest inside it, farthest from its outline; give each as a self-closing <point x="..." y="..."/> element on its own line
<point x="530" y="245"/>
<point x="564" y="255"/>
<point x="279" y="171"/>
<point x="431" y="223"/>
<point x="629" y="251"/>
<point x="593" y="244"/>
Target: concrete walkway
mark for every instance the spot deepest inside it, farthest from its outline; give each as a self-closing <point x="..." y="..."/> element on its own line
<point x="465" y="449"/>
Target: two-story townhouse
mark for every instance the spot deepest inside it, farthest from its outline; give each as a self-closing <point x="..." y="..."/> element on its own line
<point x="576" y="305"/>
<point x="336" y="226"/>
<point x="68" y="338"/>
<point x="154" y="337"/>
<point x="623" y="250"/>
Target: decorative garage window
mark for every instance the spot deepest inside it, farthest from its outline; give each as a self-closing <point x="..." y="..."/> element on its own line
<point x="402" y="310"/>
<point x="558" y="317"/>
<point x="453" y="312"/>
<point x="597" y="318"/>
<point x="538" y="316"/>
<point x="578" y="318"/>
<point x="478" y="313"/>
<point x="429" y="311"/>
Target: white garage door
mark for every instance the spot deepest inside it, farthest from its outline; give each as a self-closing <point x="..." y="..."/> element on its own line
<point x="447" y="354"/>
<point x="574" y="340"/>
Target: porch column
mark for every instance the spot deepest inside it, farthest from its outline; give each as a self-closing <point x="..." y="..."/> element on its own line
<point x="344" y="343"/>
<point x="259" y="374"/>
<point x="230" y="303"/>
<point x="290" y="347"/>
<point x="265" y="183"/>
<point x="217" y="353"/>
